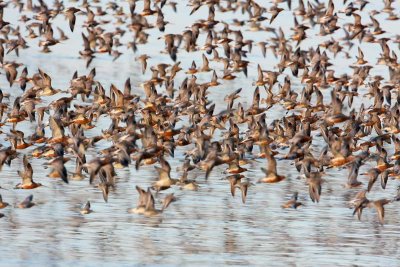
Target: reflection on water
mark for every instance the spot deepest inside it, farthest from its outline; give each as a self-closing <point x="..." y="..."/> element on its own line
<point x="201" y="228"/>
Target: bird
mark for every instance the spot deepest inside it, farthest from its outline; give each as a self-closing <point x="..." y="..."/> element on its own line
<point x="146" y="203"/>
<point x="2" y="203"/>
<point x="58" y="169"/>
<point x="70" y="15"/>
<point x="141" y="205"/>
<point x="143" y="62"/>
<point x="354" y="169"/>
<point x="26" y="176"/>
<point x="184" y="182"/>
<point x="360" y="57"/>
<point x="378" y="205"/>
<point x="235" y="182"/>
<point x="164" y="176"/>
<point x="314" y="185"/>
<point x="27" y="203"/>
<point x="292" y="203"/>
<point x="86" y="208"/>
<point x="373" y="176"/>
<point x="271" y="172"/>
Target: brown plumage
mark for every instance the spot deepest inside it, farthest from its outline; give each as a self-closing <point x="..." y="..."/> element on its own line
<point x="27" y="203"/>
<point x="26" y="176"/>
<point x="70" y="15"/>
<point x="86" y="208"/>
<point x="58" y="169"/>
<point x="271" y="173"/>
<point x="314" y="186"/>
<point x="2" y="203"/>
<point x="292" y="203"/>
<point x="164" y="176"/>
<point x="378" y="205"/>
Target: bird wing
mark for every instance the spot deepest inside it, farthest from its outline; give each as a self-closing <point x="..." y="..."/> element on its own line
<point x="56" y="129"/>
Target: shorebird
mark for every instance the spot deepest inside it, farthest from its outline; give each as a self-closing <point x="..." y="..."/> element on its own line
<point x="292" y="203"/>
<point x="27" y="203"/>
<point x="271" y="172"/>
<point x="86" y="209"/>
<point x="26" y="176"/>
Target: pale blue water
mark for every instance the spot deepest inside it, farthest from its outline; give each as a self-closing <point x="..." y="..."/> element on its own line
<point x="202" y="228"/>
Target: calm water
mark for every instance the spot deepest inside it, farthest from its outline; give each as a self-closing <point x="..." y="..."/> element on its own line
<point x="207" y="227"/>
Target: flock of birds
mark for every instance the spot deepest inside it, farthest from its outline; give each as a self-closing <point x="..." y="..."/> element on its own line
<point x="144" y="129"/>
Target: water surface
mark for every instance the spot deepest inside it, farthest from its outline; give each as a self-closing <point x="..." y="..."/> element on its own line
<point x="207" y="227"/>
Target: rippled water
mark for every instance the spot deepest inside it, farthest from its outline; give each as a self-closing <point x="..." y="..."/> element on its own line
<point x="207" y="227"/>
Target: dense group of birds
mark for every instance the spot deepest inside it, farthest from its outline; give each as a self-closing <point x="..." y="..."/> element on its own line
<point x="322" y="128"/>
